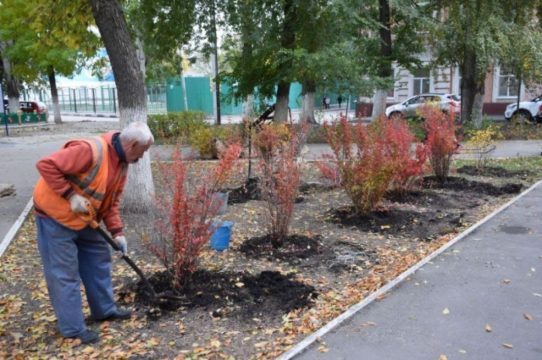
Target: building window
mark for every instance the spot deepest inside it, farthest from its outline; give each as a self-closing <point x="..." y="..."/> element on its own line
<point x="421" y="81"/>
<point x="508" y="83"/>
<point x="391" y="93"/>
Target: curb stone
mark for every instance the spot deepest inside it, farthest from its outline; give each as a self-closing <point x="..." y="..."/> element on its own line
<point x="15" y="227"/>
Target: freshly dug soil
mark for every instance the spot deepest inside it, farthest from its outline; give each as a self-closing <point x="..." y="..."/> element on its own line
<point x="227" y="292"/>
<point x="492" y="171"/>
<point x="250" y="190"/>
<point x="462" y="184"/>
<point x="295" y="247"/>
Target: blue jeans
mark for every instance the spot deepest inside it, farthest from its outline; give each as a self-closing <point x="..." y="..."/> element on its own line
<point x="68" y="257"/>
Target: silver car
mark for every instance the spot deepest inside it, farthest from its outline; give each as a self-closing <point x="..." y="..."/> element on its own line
<point x="409" y="108"/>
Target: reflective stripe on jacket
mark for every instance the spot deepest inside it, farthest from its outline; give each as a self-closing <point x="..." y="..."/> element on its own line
<point x="92" y="185"/>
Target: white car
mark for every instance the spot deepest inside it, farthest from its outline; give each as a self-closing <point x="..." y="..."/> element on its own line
<point x="528" y="110"/>
<point x="409" y="108"/>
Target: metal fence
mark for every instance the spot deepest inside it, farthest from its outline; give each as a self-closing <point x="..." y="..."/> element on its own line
<point x="96" y="100"/>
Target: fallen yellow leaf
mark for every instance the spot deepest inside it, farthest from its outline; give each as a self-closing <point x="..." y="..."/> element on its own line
<point x="508" y="346"/>
<point x="446" y="311"/>
<point x="88" y="350"/>
<point x="527" y="316"/>
<point x="323" y="348"/>
<point x="442" y="357"/>
<point x="16" y="337"/>
<point x="488" y="328"/>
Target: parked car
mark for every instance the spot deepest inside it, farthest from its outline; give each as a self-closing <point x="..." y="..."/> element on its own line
<point x="32" y="107"/>
<point x="528" y="111"/>
<point x="28" y="106"/>
<point x="409" y="108"/>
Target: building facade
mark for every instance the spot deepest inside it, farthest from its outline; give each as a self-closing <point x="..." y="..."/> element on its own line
<point x="501" y="88"/>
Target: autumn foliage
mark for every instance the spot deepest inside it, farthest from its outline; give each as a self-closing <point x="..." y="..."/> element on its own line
<point x="407" y="163"/>
<point x="441" y="142"/>
<point x="184" y="211"/>
<point x="370" y="160"/>
<point x="280" y="175"/>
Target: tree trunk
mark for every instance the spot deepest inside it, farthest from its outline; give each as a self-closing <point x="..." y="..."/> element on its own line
<point x="247" y="110"/>
<point x="477" y="107"/>
<point x="12" y="84"/>
<point x="379" y="103"/>
<point x="54" y="95"/>
<point x="307" y="111"/>
<point x="281" y="107"/>
<point x="385" y="70"/>
<point x="141" y="55"/>
<point x="468" y="85"/>
<point x="287" y="41"/>
<point x="131" y="94"/>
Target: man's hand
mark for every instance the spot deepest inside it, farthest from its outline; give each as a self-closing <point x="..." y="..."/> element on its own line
<point x="79" y="204"/>
<point x="121" y="242"/>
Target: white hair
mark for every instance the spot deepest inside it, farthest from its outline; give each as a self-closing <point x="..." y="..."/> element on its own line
<point x="138" y="131"/>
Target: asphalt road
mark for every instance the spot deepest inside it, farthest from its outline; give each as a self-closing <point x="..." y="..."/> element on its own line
<point x="18" y="156"/>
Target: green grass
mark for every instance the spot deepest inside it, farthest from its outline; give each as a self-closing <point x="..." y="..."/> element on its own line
<point x="532" y="165"/>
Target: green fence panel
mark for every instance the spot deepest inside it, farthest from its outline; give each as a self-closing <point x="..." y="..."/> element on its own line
<point x="295" y="98"/>
<point x="199" y="95"/>
<point x="174" y="95"/>
<point x="229" y="107"/>
<point x="24" y="118"/>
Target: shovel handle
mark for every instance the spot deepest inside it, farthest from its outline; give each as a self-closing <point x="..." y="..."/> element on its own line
<point x="90" y="218"/>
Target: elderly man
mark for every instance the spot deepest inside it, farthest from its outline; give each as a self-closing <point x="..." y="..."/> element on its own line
<point x="84" y="173"/>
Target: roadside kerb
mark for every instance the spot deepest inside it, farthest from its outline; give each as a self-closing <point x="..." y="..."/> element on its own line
<point x="306" y="342"/>
<point x="15" y="227"/>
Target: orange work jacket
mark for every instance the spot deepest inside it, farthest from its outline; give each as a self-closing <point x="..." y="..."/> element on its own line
<point x="91" y="184"/>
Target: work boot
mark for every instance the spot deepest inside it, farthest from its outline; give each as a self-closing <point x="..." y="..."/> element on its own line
<point x="87" y="337"/>
<point x="118" y="314"/>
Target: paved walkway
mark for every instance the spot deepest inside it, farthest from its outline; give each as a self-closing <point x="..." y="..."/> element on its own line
<point x="491" y="278"/>
<point x="18" y="157"/>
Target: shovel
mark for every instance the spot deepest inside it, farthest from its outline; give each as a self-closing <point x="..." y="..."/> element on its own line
<point x="156" y="298"/>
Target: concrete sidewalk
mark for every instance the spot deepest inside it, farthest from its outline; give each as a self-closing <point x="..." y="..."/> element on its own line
<point x="480" y="299"/>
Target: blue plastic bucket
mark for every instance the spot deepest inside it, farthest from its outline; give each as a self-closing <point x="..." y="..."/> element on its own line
<point x="220" y="240"/>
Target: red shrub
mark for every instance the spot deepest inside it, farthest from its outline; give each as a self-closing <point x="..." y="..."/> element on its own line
<point x="329" y="170"/>
<point x="185" y="209"/>
<point x="408" y="165"/>
<point x="441" y="142"/>
<point x="280" y="177"/>
<point x="370" y="160"/>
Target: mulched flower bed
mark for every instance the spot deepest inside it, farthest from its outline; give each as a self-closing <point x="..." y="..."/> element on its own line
<point x="252" y="300"/>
